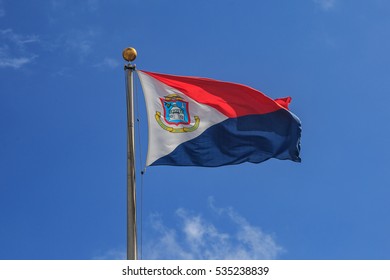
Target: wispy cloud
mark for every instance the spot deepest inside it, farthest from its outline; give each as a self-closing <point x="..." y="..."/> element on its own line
<point x="78" y="42"/>
<point x="82" y="47"/>
<point x="198" y="238"/>
<point x="14" y="62"/>
<point x="13" y="52"/>
<point x="75" y="7"/>
<point x="18" y="39"/>
<point x="107" y="62"/>
<point x="112" y="254"/>
<point x="326" y="4"/>
<point x="2" y="11"/>
<point x="93" y="5"/>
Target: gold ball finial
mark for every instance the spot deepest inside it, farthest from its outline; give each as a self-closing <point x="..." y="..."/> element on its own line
<point x="129" y="54"/>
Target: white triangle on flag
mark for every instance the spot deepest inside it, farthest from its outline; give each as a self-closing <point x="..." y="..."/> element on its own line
<point x="161" y="141"/>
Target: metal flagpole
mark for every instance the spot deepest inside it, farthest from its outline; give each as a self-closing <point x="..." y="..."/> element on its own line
<point x="129" y="54"/>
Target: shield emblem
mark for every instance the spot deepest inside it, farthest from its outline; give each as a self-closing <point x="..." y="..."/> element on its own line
<point x="175" y="110"/>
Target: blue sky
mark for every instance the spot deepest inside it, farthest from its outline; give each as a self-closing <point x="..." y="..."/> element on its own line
<point x="63" y="129"/>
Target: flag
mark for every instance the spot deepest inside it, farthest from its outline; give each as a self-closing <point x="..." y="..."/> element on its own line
<point x="204" y="122"/>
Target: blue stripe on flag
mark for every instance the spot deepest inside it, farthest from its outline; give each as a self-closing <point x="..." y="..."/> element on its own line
<point x="252" y="138"/>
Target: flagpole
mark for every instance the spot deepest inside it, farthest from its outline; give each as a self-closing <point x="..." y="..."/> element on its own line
<point x="129" y="54"/>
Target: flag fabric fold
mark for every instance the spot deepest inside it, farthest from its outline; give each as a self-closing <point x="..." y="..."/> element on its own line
<point x="204" y="122"/>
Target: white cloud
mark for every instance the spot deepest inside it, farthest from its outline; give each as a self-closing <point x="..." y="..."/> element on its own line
<point x="108" y="63"/>
<point x="13" y="52"/>
<point x="57" y="4"/>
<point x="2" y="11"/>
<point x="18" y="39"/>
<point x="166" y="245"/>
<point x="15" y="63"/>
<point x="198" y="238"/>
<point x="75" y="7"/>
<point x="112" y="254"/>
<point x="93" y="5"/>
<point x="83" y="47"/>
<point x="78" y="42"/>
<point x="326" y="4"/>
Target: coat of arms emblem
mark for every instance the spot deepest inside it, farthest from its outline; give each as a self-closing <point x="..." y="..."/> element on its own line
<point x="176" y="115"/>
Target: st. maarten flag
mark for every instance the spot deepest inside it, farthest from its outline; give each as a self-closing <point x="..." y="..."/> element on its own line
<point x="203" y="122"/>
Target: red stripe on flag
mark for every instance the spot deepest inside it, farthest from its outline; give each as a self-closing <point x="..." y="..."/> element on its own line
<point x="231" y="99"/>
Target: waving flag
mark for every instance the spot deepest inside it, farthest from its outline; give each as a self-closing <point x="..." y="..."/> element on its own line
<point x="203" y="122"/>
